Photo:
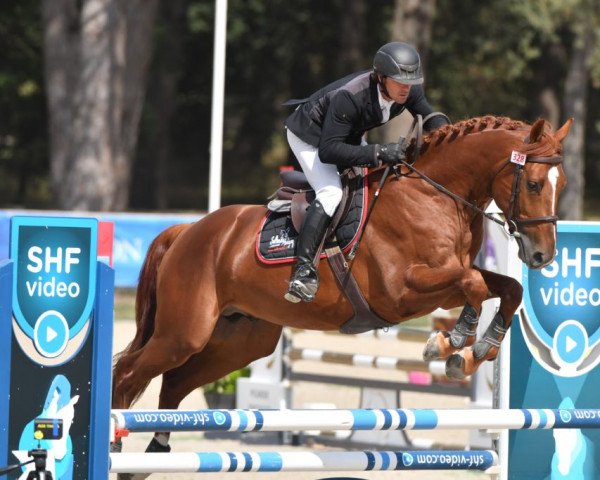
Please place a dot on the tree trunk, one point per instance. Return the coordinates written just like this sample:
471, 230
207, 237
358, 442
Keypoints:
413, 20
96, 61
353, 34
153, 165
549, 70
576, 83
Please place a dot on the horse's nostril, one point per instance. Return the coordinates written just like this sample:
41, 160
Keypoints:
538, 258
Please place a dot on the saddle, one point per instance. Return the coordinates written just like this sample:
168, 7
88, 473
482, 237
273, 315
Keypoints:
295, 195
287, 208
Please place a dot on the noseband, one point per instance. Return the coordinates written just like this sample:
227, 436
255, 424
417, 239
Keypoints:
513, 205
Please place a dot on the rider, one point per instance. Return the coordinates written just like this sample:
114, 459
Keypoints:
326, 132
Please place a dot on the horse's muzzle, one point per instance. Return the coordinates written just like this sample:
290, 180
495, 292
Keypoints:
535, 260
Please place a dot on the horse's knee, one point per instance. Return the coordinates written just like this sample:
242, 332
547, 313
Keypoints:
474, 287
513, 293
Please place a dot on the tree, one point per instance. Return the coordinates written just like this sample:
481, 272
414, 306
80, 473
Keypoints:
575, 105
154, 156
574, 27
96, 58
23, 139
413, 20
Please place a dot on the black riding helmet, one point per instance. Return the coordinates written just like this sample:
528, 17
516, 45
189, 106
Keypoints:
399, 61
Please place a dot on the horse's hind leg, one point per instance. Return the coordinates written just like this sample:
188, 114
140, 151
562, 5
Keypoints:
139, 368
466, 362
233, 345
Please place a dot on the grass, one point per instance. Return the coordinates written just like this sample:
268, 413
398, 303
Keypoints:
124, 304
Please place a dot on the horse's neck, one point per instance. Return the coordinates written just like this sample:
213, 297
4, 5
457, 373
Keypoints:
467, 166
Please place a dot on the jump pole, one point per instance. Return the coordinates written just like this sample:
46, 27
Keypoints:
301, 461
358, 419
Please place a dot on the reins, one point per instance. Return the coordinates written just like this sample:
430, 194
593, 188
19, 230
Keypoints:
511, 224
417, 124
453, 195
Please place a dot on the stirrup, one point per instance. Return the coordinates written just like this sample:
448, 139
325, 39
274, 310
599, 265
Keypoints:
303, 285
301, 291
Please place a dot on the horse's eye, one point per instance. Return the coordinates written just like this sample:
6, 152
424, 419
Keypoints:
533, 186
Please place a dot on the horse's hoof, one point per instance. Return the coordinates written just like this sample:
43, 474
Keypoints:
432, 348
455, 367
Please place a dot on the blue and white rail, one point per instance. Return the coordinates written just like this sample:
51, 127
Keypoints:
300, 461
358, 419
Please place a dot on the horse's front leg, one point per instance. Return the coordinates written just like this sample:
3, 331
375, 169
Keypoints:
510, 292
471, 286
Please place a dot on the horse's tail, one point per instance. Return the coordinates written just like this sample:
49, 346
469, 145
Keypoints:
145, 299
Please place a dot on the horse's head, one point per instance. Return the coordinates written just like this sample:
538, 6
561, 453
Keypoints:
528, 194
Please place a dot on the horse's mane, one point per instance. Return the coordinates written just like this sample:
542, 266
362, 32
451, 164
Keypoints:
448, 133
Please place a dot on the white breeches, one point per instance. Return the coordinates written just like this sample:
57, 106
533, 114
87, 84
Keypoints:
323, 177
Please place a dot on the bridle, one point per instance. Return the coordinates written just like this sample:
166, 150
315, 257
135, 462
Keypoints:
512, 219
512, 222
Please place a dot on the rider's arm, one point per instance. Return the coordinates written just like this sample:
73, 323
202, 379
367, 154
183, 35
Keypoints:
342, 117
417, 103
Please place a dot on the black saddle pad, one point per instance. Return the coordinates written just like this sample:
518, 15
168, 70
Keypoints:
276, 238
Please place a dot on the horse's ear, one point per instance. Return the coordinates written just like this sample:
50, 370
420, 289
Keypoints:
563, 131
537, 130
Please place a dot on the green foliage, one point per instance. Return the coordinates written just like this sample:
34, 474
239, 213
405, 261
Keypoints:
23, 126
227, 384
485, 57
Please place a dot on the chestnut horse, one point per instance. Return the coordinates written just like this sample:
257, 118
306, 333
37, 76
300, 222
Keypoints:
207, 306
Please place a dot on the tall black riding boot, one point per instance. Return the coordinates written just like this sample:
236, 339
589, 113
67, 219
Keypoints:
305, 277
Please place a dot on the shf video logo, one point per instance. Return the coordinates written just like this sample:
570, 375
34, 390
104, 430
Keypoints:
560, 323
55, 278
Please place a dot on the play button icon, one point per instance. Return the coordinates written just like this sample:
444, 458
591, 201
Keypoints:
570, 344
51, 334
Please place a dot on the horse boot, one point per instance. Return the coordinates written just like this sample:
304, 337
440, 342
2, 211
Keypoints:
305, 277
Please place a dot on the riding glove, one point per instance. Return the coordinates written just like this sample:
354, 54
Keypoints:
391, 153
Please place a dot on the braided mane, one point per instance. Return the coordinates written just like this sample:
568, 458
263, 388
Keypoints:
548, 145
449, 133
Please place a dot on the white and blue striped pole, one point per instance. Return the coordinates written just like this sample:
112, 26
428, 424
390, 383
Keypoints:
300, 461
358, 419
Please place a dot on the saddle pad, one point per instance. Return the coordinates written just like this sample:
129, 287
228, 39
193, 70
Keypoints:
276, 238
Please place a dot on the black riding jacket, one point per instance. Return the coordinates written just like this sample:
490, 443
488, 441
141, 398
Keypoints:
336, 117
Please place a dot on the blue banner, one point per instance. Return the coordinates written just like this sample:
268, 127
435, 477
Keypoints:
133, 235
554, 354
